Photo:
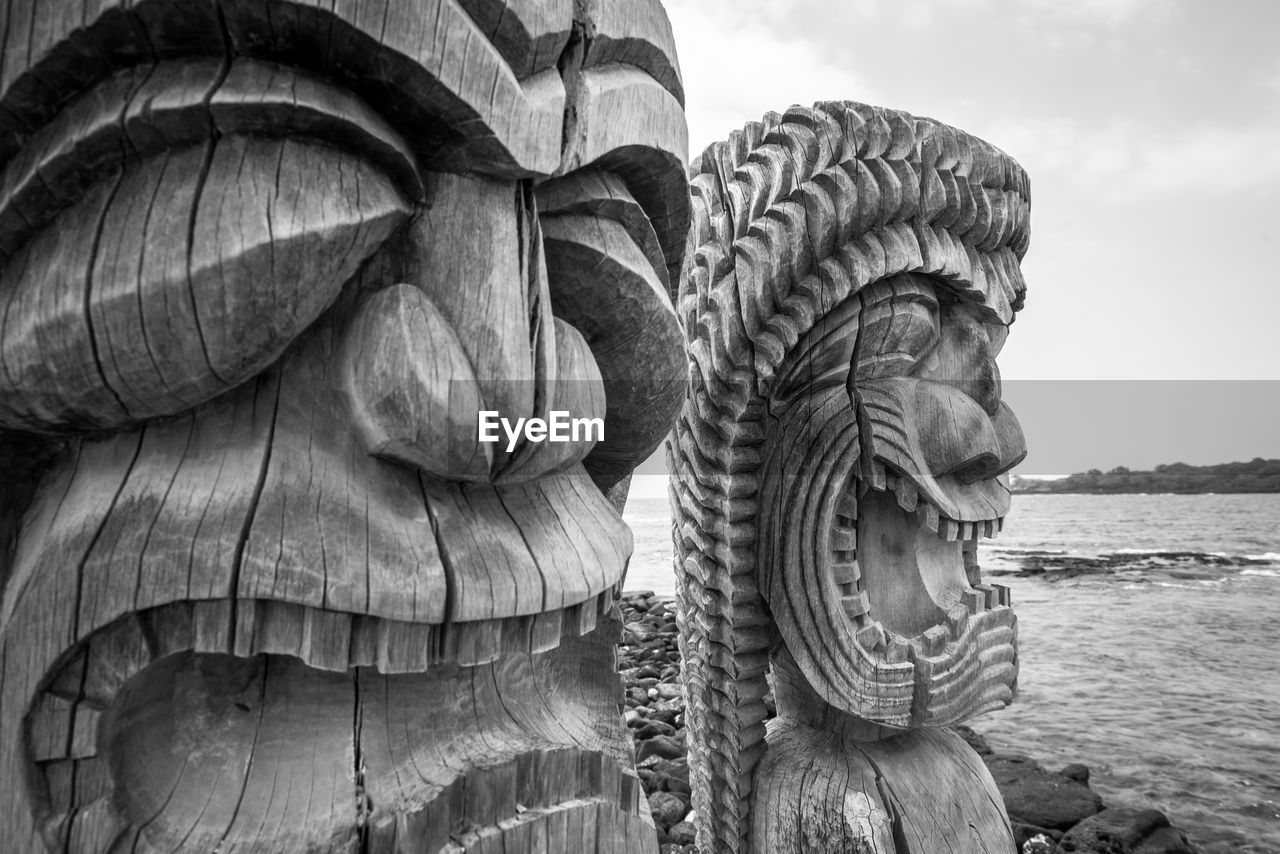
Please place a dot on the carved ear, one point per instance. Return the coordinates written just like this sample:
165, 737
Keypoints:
414, 397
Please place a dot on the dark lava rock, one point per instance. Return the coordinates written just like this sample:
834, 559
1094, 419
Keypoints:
1038, 797
682, 833
638, 634
672, 775
974, 740
667, 716
668, 809
652, 728
1120, 830
663, 746
1077, 772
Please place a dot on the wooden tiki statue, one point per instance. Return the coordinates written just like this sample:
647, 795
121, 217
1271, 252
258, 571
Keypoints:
263, 263
850, 277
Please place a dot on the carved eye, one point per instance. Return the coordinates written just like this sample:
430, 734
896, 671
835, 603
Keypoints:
146, 282
899, 326
965, 355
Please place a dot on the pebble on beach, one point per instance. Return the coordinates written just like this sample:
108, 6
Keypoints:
1051, 812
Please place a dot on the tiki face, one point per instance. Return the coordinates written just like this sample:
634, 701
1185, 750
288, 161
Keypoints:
905, 371
851, 275
265, 264
942, 489
887, 431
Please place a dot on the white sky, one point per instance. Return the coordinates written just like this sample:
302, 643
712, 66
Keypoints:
1151, 132
1150, 129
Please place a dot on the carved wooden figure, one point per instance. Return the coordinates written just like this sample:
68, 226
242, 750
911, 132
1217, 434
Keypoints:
262, 265
850, 277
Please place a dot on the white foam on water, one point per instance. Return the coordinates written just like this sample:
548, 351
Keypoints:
1265, 573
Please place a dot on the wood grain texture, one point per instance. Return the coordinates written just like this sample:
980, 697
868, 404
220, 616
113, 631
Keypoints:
607, 288
261, 266
167, 285
175, 104
470, 255
624, 122
265, 575
636, 32
198, 750
530, 34
852, 274
462, 86
412, 391
822, 790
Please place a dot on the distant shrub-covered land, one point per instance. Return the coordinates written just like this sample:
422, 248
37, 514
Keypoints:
1257, 475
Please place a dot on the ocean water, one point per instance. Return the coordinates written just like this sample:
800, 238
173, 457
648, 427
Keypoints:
1149, 647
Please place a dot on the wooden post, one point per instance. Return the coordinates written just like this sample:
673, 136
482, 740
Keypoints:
263, 264
852, 275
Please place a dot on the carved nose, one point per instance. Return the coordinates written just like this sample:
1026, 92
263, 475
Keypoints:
1010, 448
473, 332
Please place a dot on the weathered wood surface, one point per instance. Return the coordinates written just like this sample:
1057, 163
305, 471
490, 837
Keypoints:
262, 264
853, 274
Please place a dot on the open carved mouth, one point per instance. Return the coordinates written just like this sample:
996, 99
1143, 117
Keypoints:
912, 588
894, 445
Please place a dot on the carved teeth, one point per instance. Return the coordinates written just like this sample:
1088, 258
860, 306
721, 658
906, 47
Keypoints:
958, 620
949, 530
844, 539
847, 510
856, 604
907, 495
845, 572
974, 601
990, 595
871, 637
928, 515
934, 640
877, 478
896, 650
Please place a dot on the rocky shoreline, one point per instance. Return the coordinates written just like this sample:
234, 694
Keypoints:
1052, 812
